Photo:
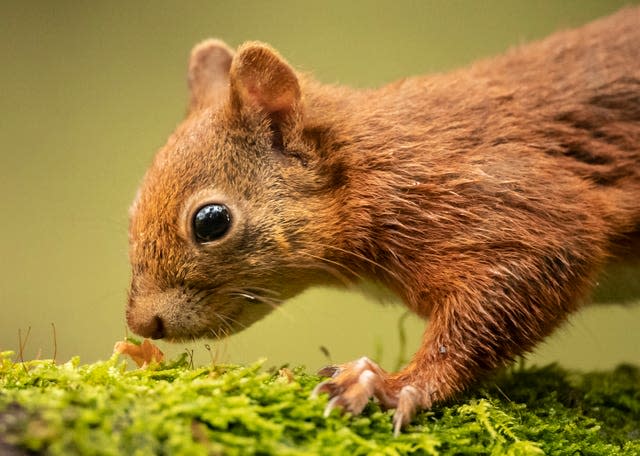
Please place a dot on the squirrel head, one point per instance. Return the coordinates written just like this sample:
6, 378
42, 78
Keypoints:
225, 223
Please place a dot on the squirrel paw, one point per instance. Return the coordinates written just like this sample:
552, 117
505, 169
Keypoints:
353, 384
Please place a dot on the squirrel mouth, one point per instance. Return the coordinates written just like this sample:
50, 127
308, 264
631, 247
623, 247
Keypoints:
178, 316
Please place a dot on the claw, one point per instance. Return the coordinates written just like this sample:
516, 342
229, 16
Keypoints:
397, 425
407, 404
328, 386
357, 397
333, 403
410, 399
319, 388
329, 371
352, 385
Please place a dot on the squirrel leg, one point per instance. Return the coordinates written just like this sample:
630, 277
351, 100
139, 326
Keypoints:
414, 388
467, 336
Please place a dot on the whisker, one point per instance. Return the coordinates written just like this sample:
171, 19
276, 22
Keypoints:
355, 255
333, 271
276, 305
206, 294
200, 293
221, 328
229, 321
243, 295
248, 293
263, 290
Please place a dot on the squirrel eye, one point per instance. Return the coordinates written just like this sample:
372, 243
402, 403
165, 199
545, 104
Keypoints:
211, 222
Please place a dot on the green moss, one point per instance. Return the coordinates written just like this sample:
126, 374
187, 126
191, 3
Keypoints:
103, 408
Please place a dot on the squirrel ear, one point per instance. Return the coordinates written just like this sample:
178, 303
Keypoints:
261, 78
209, 66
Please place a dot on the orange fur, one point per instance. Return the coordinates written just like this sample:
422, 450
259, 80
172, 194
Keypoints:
488, 199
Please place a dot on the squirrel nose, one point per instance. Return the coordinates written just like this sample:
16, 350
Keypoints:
155, 328
152, 328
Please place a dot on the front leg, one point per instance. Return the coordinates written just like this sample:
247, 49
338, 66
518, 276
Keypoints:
468, 335
437, 371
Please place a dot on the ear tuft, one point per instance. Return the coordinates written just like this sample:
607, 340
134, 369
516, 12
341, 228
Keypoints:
261, 78
209, 67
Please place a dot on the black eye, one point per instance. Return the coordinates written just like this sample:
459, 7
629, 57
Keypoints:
211, 222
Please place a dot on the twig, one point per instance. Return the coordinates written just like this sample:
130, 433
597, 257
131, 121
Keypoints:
208, 348
402, 336
190, 354
55, 342
22, 344
326, 353
503, 393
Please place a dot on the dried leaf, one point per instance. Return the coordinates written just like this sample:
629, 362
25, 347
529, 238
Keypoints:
143, 354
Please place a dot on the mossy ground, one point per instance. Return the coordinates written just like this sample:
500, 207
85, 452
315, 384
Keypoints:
106, 408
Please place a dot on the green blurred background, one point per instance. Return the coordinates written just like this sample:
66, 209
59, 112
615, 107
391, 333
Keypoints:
90, 90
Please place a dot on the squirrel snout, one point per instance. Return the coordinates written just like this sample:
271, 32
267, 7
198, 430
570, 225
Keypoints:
146, 325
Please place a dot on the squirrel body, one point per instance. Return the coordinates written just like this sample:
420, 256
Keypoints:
488, 199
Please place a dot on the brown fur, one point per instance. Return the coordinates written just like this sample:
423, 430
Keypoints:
488, 199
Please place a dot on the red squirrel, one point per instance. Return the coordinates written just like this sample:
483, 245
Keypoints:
488, 199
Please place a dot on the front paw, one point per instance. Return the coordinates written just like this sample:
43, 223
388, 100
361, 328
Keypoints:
353, 384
